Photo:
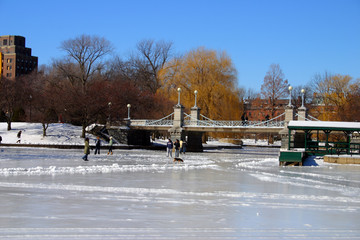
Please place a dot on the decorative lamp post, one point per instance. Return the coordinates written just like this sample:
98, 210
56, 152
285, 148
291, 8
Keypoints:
109, 104
30, 100
290, 89
128, 106
302, 97
179, 91
195, 92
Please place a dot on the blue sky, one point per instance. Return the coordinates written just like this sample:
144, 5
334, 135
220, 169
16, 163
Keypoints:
304, 37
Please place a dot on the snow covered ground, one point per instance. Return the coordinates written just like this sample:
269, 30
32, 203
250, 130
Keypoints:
57, 133
142, 194
66, 134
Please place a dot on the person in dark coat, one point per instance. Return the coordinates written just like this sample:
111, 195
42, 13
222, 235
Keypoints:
97, 146
0, 139
86, 150
177, 148
169, 148
19, 137
184, 147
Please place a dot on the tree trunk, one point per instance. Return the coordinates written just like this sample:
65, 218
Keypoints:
83, 130
8, 125
45, 126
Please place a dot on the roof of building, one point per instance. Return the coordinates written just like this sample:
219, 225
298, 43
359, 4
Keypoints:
324, 125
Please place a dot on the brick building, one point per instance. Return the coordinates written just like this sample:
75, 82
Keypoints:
15, 58
260, 109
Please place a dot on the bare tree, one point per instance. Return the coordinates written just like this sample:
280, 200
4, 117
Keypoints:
44, 101
82, 64
275, 87
151, 58
9, 99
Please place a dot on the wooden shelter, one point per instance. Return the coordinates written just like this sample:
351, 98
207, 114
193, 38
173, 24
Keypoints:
320, 138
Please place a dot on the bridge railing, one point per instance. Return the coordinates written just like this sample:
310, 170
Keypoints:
207, 122
276, 122
165, 121
309, 118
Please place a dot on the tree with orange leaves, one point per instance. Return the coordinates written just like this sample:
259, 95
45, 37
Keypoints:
209, 72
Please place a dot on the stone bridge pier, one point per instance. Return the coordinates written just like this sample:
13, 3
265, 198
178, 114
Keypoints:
193, 139
299, 137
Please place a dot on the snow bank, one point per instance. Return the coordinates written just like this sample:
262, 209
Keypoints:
57, 133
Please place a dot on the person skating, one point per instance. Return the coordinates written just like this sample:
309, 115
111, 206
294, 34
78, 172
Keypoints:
110, 146
169, 148
97, 146
86, 150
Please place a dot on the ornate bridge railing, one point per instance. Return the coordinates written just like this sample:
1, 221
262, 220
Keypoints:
165, 121
207, 122
276, 122
309, 118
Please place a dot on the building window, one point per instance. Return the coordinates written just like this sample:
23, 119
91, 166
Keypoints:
5, 42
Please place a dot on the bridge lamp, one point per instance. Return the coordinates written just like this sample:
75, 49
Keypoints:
290, 89
179, 91
109, 104
195, 92
128, 106
302, 97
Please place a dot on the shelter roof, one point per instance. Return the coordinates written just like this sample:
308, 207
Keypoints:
324, 125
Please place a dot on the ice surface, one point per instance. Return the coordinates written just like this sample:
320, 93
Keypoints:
141, 194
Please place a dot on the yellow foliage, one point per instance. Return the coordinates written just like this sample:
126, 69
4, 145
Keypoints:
212, 75
334, 91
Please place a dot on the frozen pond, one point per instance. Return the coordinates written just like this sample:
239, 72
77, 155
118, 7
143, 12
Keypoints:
140, 194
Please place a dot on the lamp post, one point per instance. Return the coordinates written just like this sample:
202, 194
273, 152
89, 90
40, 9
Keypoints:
195, 92
128, 106
302, 97
109, 104
179, 91
30, 100
290, 89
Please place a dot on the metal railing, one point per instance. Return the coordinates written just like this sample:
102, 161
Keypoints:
207, 122
165, 121
309, 118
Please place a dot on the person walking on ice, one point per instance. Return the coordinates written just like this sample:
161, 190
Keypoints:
169, 148
110, 146
177, 148
97, 146
86, 150
181, 146
184, 147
